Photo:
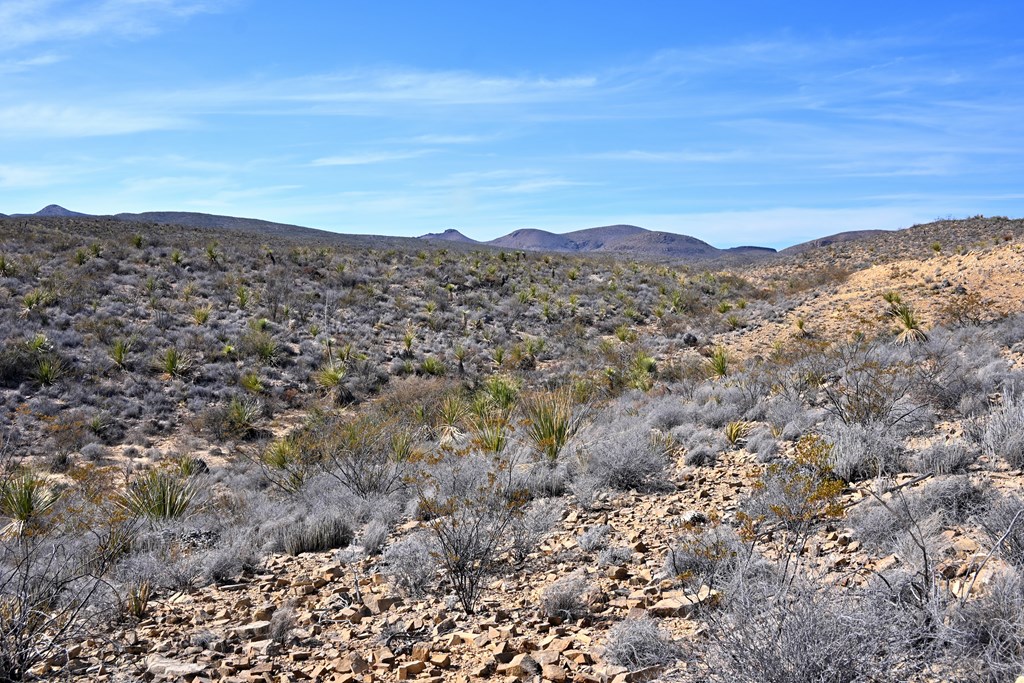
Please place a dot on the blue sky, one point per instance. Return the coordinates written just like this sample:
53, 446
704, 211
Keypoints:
739, 123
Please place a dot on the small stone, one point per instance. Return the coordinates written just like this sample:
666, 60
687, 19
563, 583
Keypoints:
171, 669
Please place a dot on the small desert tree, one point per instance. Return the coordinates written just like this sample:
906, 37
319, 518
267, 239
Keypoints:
471, 501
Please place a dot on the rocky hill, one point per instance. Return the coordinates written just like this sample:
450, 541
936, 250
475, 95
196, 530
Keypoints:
449, 235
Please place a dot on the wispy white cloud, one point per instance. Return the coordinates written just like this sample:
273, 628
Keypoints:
450, 139
14, 66
363, 158
27, 22
68, 121
684, 157
20, 176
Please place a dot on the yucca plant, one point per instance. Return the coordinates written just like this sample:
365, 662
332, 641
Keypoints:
7, 268
432, 366
718, 363
910, 331
137, 601
173, 363
642, 371
159, 495
502, 391
736, 432
329, 376
242, 415
450, 415
551, 420
490, 432
190, 466
286, 465
25, 500
48, 370
119, 351
250, 381
201, 314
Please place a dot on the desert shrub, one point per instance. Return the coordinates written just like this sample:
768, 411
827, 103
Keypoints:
615, 556
411, 563
53, 593
882, 523
366, 454
789, 417
374, 536
1004, 432
1003, 523
801, 636
640, 644
958, 370
875, 385
702, 445
625, 456
543, 480
318, 533
763, 444
953, 457
709, 556
594, 538
282, 623
990, 629
666, 414
530, 528
471, 500
862, 451
794, 494
226, 563
564, 599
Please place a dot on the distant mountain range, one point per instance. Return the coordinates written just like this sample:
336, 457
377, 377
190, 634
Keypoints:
610, 239
615, 239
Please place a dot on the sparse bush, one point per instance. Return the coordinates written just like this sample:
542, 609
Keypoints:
564, 599
639, 644
863, 451
952, 457
616, 556
411, 563
803, 636
317, 534
594, 538
991, 629
1004, 525
282, 623
1004, 432
625, 457
530, 528
374, 536
706, 556
471, 501
794, 494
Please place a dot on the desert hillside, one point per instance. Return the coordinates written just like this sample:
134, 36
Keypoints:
238, 456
